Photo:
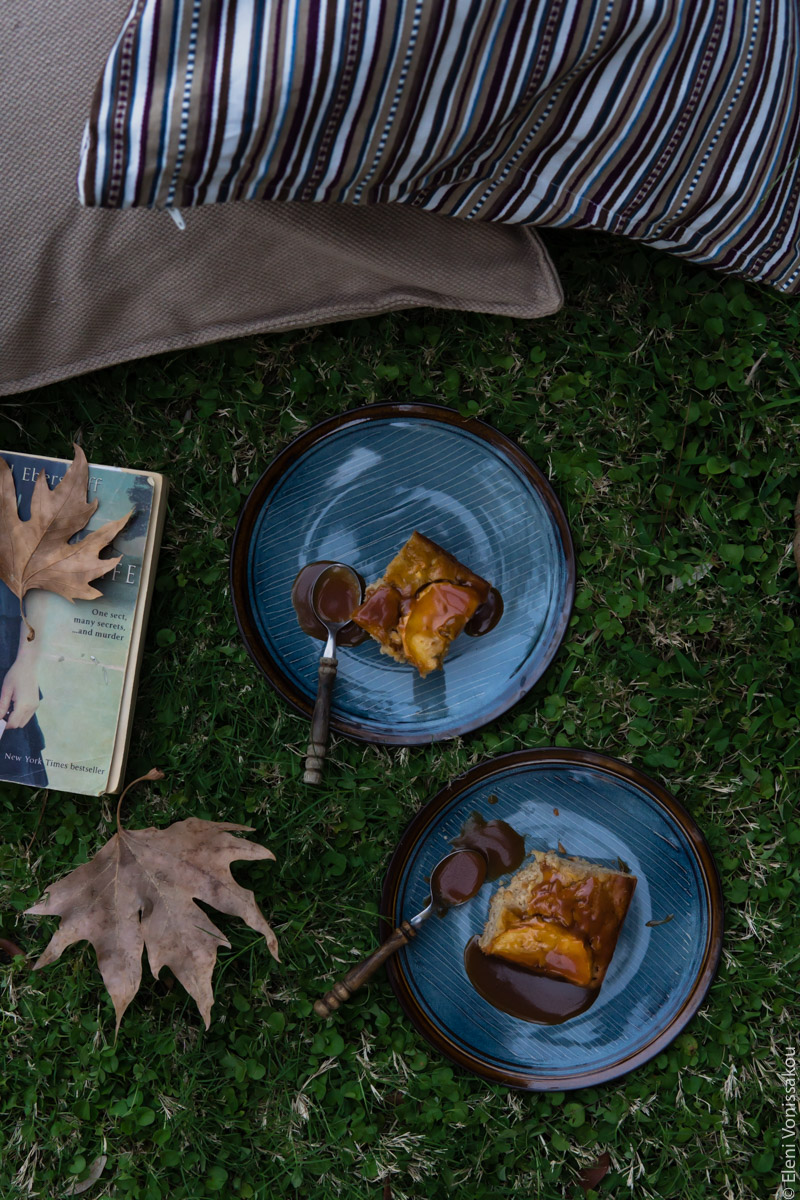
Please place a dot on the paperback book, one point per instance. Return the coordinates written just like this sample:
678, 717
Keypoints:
73, 685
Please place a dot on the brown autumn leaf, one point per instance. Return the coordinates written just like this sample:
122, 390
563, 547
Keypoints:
10, 949
589, 1177
92, 1175
139, 890
37, 553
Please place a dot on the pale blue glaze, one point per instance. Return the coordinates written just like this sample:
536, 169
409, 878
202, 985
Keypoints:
356, 495
654, 969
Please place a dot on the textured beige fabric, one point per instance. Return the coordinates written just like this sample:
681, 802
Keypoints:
82, 289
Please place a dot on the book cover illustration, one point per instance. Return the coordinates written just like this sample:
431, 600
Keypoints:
60, 694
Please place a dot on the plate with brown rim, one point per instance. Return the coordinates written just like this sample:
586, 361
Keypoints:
353, 489
668, 950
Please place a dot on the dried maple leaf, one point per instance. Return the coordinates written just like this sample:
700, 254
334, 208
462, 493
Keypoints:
37, 553
139, 890
590, 1176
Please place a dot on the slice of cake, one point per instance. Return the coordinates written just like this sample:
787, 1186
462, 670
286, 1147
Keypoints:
559, 917
421, 604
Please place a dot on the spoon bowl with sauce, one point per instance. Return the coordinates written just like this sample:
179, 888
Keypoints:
337, 591
454, 880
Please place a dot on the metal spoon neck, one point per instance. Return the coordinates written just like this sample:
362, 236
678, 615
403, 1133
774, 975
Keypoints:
416, 921
330, 645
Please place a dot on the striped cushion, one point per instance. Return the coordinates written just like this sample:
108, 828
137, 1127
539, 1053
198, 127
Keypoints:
674, 122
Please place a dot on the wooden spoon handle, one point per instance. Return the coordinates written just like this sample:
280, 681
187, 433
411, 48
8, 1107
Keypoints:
320, 721
363, 971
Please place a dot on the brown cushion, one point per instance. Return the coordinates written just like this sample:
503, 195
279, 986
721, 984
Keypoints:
83, 289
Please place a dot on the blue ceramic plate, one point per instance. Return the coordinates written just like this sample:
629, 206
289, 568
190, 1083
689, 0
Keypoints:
599, 809
354, 488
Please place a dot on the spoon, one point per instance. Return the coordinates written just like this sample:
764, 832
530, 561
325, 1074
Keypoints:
337, 591
454, 880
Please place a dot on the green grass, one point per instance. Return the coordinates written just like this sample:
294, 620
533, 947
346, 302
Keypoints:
664, 403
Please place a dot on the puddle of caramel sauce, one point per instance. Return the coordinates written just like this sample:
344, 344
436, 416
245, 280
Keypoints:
348, 635
486, 615
503, 846
523, 993
457, 878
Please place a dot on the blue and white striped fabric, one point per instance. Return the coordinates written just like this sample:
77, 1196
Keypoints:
675, 122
